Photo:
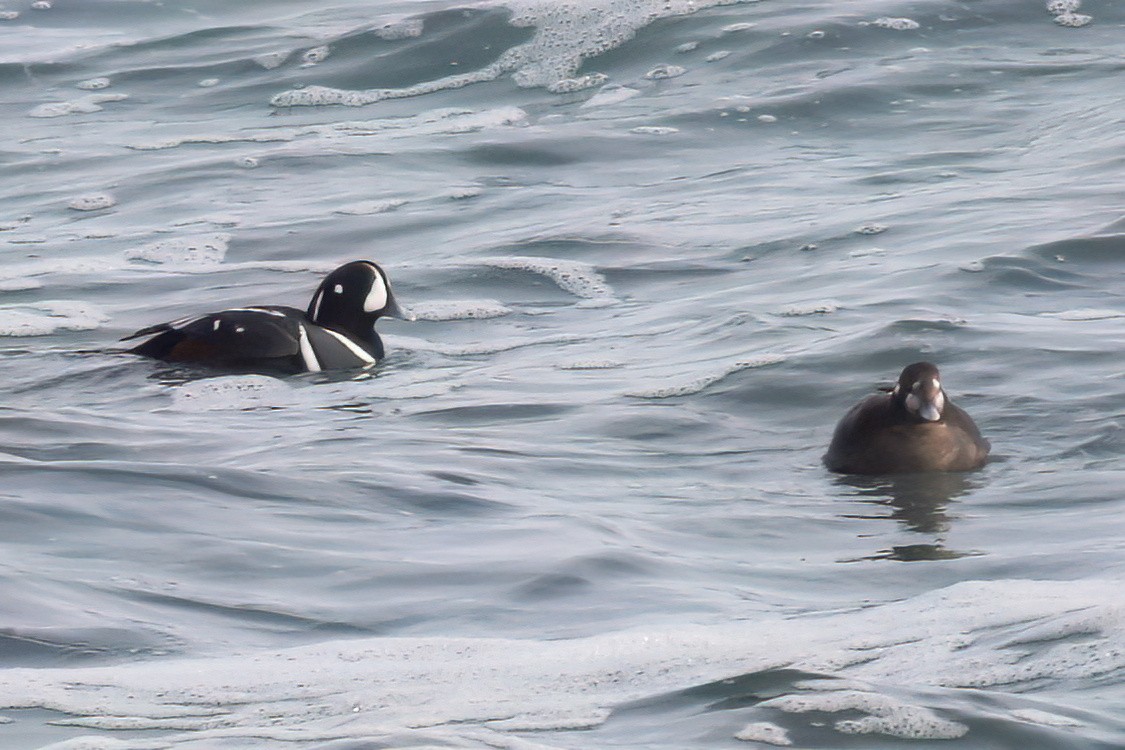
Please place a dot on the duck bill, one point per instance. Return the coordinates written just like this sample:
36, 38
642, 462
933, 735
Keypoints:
929, 411
394, 310
927, 406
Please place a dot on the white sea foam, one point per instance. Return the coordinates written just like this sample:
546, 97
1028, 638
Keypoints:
472, 691
271, 60
364, 208
896, 24
699, 383
93, 84
661, 72
233, 392
654, 130
92, 202
592, 364
409, 28
84, 105
580, 279
561, 41
885, 715
459, 310
206, 250
764, 732
1085, 314
1044, 718
316, 55
1073, 20
570, 85
810, 308
48, 316
610, 95
871, 228
433, 122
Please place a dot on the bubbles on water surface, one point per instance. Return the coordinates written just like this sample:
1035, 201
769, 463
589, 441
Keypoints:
93, 84
459, 310
764, 732
885, 715
85, 105
234, 392
1058, 7
407, 29
661, 72
315, 55
92, 202
203, 250
365, 208
570, 85
562, 40
271, 60
579, 279
871, 228
1072, 20
48, 316
896, 24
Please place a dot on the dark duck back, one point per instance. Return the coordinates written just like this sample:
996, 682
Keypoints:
914, 428
336, 332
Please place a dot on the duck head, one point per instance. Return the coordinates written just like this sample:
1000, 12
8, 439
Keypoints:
919, 391
353, 297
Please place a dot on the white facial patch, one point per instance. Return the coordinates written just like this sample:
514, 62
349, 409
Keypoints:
927, 410
339, 289
377, 297
216, 324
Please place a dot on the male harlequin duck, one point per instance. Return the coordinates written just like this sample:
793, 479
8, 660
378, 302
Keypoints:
913, 428
337, 331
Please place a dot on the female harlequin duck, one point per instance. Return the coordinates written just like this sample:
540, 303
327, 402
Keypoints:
337, 331
913, 428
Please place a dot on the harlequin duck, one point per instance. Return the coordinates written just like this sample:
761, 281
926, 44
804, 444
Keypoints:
336, 332
913, 428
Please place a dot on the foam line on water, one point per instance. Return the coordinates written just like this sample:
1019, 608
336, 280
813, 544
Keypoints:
1008, 633
561, 41
579, 279
49, 316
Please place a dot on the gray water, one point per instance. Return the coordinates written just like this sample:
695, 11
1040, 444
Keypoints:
655, 250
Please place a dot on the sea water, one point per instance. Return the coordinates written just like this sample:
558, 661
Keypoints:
654, 250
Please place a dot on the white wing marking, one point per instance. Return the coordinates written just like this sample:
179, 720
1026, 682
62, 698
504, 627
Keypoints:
307, 353
351, 345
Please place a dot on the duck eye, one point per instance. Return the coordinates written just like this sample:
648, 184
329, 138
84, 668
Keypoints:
339, 289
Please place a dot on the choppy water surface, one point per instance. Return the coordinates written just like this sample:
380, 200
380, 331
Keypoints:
655, 251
